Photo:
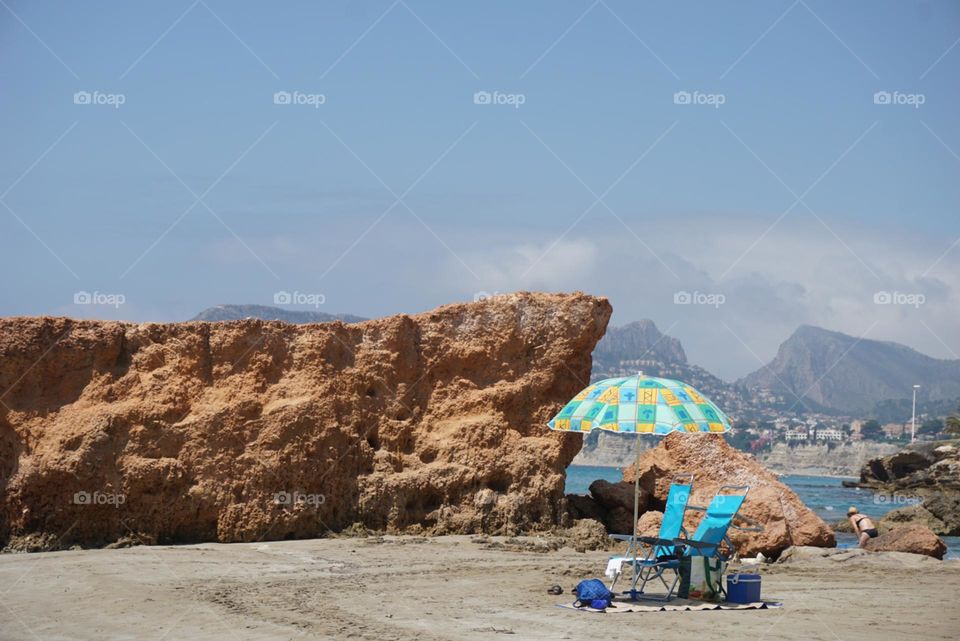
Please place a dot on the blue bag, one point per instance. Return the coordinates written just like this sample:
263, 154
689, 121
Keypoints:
593, 593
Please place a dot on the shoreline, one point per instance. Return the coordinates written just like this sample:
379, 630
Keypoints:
778, 472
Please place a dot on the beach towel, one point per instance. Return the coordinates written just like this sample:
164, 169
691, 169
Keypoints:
676, 605
613, 567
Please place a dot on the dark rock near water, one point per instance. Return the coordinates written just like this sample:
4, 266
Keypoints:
897, 466
616, 501
584, 507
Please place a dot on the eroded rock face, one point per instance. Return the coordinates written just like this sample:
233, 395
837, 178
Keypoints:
649, 523
786, 520
915, 539
249, 430
911, 515
825, 558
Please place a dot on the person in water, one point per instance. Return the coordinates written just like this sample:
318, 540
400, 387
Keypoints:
863, 527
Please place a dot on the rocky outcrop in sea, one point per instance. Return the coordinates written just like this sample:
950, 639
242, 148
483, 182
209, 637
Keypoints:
925, 479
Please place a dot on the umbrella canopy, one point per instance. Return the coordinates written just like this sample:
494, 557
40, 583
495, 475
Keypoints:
642, 405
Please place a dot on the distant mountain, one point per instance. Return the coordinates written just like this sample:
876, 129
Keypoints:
850, 375
641, 347
638, 340
263, 312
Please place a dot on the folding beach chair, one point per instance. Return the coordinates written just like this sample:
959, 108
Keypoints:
710, 534
644, 550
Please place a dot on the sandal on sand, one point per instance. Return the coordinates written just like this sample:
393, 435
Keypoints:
555, 589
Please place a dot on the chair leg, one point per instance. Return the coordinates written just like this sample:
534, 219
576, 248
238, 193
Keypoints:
646, 575
673, 586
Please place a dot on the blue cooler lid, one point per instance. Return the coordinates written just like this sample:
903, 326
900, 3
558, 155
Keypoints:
743, 578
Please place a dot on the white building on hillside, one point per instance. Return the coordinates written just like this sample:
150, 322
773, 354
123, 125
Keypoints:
829, 435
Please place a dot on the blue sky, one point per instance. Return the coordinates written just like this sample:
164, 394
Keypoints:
796, 200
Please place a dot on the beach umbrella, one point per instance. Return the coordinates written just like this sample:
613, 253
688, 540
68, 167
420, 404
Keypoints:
640, 405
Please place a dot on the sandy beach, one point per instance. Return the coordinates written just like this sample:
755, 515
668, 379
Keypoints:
452, 587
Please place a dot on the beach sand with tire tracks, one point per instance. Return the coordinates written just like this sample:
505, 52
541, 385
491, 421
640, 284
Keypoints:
453, 587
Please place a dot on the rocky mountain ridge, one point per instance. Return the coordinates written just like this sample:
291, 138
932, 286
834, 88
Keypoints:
838, 372
265, 312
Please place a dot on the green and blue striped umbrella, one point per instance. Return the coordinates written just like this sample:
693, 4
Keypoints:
640, 405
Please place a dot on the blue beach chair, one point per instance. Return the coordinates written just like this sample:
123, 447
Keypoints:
710, 534
644, 551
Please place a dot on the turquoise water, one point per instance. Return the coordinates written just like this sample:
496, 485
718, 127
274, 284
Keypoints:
579, 477
824, 495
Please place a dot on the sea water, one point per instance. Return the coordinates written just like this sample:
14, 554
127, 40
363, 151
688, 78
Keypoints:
825, 495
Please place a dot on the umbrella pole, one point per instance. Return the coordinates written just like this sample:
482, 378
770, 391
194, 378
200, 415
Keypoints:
636, 495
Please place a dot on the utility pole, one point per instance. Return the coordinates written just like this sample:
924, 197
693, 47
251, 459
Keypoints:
913, 416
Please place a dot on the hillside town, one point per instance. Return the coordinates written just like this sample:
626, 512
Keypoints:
759, 436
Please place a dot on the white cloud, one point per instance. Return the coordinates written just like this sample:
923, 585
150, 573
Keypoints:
548, 266
799, 272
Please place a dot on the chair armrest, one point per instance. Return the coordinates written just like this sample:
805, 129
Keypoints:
697, 545
621, 537
656, 541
